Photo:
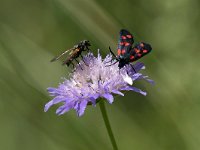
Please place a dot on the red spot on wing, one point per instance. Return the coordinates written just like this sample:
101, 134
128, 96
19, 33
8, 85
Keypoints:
127, 44
132, 57
144, 51
139, 55
118, 51
136, 50
121, 43
141, 44
123, 37
123, 51
129, 36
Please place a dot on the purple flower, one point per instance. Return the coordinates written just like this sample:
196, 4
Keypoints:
91, 80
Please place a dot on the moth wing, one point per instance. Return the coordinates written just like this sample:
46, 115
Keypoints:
125, 42
139, 50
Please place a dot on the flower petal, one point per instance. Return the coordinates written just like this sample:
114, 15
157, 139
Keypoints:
52, 102
130, 88
136, 76
127, 79
92, 79
82, 106
95, 96
117, 92
93, 101
109, 97
147, 79
65, 108
139, 66
150, 81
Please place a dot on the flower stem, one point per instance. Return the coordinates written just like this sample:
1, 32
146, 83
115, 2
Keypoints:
107, 123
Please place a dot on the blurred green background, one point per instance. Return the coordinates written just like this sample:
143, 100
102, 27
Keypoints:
33, 31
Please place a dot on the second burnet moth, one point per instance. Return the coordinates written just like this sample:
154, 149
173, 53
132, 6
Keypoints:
127, 52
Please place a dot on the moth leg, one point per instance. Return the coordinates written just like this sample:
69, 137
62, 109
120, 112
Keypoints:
111, 64
109, 61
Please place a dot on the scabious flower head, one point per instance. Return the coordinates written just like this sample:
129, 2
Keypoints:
93, 79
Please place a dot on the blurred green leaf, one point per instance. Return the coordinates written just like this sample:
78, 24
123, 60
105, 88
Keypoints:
33, 32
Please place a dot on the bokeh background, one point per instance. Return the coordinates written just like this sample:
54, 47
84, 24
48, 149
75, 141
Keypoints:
33, 31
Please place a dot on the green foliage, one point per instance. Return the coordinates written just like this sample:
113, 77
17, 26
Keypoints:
32, 32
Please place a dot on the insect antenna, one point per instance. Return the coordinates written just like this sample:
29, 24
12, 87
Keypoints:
113, 55
112, 52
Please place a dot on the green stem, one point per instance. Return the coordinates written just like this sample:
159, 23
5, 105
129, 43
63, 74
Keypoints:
107, 123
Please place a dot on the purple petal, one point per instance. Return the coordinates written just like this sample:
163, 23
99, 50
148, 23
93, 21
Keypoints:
93, 100
82, 106
65, 108
136, 76
100, 85
130, 88
51, 89
117, 92
109, 97
106, 85
150, 81
48, 105
138, 66
76, 105
52, 102
95, 96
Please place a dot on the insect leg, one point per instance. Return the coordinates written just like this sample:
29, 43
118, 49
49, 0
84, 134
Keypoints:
72, 65
111, 64
110, 61
87, 48
78, 63
83, 60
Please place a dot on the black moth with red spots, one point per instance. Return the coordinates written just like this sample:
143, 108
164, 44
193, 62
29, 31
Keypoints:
126, 52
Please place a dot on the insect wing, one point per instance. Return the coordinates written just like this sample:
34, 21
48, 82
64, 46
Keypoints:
62, 54
72, 55
125, 42
139, 50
